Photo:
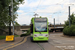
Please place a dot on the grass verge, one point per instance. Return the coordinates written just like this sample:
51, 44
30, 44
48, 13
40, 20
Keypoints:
3, 36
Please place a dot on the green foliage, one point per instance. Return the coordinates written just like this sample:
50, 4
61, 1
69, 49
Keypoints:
2, 37
16, 36
51, 31
40, 17
72, 20
65, 30
4, 11
26, 34
16, 24
66, 23
73, 31
70, 30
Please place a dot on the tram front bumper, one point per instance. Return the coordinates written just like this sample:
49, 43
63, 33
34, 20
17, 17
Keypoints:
40, 38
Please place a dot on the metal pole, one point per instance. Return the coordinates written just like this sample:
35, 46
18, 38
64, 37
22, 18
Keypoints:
54, 23
9, 20
58, 19
12, 17
69, 17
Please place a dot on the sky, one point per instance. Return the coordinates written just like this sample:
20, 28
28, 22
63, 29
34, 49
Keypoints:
51, 9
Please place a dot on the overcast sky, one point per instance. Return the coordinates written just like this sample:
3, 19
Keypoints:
51, 9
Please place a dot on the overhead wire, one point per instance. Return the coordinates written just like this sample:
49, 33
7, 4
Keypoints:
43, 12
60, 2
37, 6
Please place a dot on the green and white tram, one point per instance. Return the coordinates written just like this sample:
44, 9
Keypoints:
39, 29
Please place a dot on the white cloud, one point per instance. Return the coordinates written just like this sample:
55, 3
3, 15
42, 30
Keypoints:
62, 18
34, 4
53, 9
72, 9
49, 2
23, 19
53, 6
72, 1
25, 4
20, 11
58, 19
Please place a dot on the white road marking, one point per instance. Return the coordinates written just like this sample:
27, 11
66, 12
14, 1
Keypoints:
57, 41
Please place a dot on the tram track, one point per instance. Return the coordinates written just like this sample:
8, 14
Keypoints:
42, 48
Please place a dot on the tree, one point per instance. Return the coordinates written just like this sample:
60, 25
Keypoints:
72, 20
16, 24
70, 30
4, 11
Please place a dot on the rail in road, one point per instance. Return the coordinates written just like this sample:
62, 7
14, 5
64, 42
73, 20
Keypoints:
41, 45
56, 42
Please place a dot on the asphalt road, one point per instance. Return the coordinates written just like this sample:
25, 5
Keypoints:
56, 42
28, 45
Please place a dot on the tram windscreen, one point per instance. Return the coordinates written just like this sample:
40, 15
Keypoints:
40, 25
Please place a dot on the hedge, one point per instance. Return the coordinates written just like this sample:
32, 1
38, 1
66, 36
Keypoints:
26, 34
69, 30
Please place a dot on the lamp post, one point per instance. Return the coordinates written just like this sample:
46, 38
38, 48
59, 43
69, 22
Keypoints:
54, 23
12, 16
9, 20
69, 17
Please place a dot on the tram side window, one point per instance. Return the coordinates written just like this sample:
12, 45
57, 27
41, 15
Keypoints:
31, 28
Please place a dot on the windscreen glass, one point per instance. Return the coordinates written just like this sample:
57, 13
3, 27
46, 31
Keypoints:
40, 25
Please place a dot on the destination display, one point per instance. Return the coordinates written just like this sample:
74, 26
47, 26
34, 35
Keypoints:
40, 19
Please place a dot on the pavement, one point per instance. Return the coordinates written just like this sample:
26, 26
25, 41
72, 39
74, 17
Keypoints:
4, 44
62, 42
28, 45
57, 41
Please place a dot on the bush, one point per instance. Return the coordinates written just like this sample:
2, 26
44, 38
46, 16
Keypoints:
23, 35
28, 33
50, 31
69, 30
65, 30
73, 31
2, 37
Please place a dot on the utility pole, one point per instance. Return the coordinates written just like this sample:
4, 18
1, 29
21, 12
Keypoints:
9, 20
69, 17
54, 23
12, 17
10, 37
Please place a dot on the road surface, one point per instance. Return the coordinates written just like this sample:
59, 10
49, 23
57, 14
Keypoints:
56, 42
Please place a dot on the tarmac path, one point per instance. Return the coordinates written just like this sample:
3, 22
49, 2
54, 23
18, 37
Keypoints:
56, 42
28, 45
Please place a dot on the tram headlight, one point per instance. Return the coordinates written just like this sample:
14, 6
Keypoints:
35, 35
46, 35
